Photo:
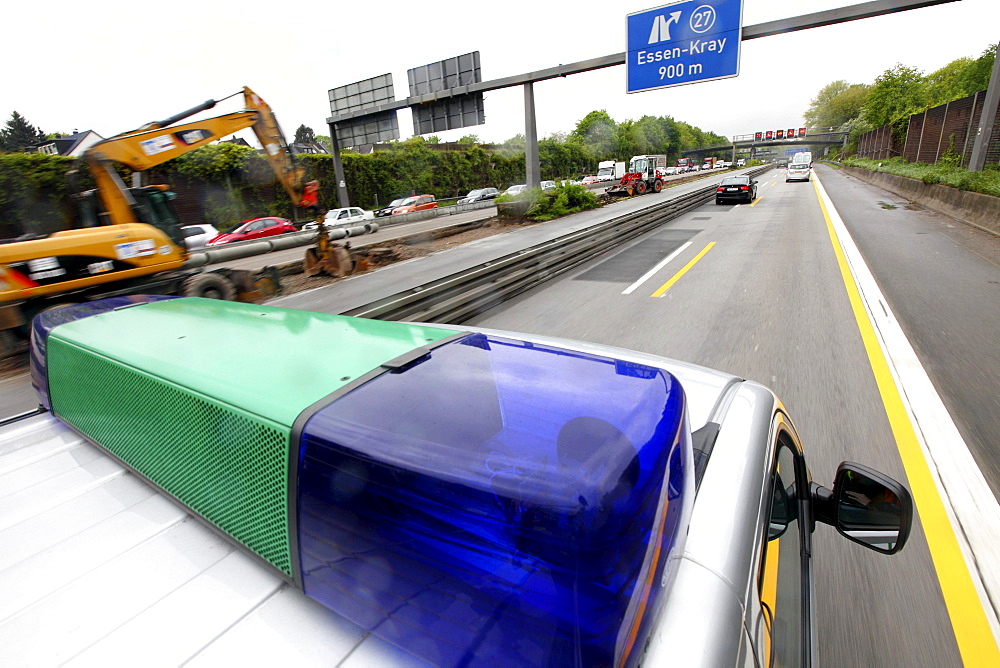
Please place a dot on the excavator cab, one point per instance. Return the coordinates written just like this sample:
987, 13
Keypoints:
152, 205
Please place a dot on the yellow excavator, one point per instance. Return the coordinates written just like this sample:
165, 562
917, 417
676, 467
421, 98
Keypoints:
129, 240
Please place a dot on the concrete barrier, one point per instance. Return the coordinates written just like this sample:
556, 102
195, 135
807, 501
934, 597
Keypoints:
975, 209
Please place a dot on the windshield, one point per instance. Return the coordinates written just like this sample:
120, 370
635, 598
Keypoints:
408, 201
735, 181
475, 193
637, 165
799, 166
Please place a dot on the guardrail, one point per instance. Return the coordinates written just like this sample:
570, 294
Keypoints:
464, 294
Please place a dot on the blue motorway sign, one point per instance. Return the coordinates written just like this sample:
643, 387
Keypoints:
684, 42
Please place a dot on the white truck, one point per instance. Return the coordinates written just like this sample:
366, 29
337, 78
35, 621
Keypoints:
609, 170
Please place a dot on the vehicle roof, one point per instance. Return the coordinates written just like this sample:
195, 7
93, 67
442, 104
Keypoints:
98, 564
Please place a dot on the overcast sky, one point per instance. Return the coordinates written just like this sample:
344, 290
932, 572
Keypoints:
112, 66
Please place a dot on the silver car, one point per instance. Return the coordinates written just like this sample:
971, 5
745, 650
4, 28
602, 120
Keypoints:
797, 171
526, 501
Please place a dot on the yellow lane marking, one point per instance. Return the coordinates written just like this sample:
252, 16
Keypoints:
769, 592
968, 619
754, 203
676, 277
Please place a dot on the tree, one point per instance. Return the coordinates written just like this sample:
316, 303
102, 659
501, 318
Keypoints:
469, 140
835, 104
977, 76
896, 93
19, 134
847, 106
597, 132
305, 135
960, 78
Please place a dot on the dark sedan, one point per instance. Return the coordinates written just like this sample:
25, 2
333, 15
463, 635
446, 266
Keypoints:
736, 189
386, 211
479, 195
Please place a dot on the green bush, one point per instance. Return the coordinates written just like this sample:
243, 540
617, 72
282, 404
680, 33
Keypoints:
564, 200
986, 182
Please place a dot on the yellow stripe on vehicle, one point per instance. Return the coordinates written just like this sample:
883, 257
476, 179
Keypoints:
970, 625
676, 277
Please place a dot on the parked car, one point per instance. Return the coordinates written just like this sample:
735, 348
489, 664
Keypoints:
197, 236
589, 180
257, 228
387, 210
736, 188
741, 162
670, 171
415, 203
516, 190
797, 171
347, 216
547, 185
479, 195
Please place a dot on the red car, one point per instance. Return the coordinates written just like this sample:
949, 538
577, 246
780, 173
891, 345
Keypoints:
416, 203
256, 228
589, 180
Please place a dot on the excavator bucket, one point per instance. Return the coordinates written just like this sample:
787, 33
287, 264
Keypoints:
335, 261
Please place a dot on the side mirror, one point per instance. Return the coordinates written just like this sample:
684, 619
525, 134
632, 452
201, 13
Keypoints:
866, 507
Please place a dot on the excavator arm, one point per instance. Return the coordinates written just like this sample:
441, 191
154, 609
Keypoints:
158, 142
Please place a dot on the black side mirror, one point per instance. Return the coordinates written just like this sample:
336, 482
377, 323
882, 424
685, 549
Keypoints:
866, 507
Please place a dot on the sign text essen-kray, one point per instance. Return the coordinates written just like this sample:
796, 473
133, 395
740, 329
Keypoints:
683, 42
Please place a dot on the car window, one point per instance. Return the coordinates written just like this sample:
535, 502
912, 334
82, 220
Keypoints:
735, 181
408, 201
784, 562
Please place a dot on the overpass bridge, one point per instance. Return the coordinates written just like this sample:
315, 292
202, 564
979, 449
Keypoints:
741, 143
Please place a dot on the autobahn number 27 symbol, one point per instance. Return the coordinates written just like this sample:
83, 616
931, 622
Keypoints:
702, 18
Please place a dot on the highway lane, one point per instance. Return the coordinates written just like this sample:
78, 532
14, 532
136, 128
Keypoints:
948, 301
767, 302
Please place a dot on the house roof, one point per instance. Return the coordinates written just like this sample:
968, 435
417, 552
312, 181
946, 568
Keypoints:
240, 141
65, 145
